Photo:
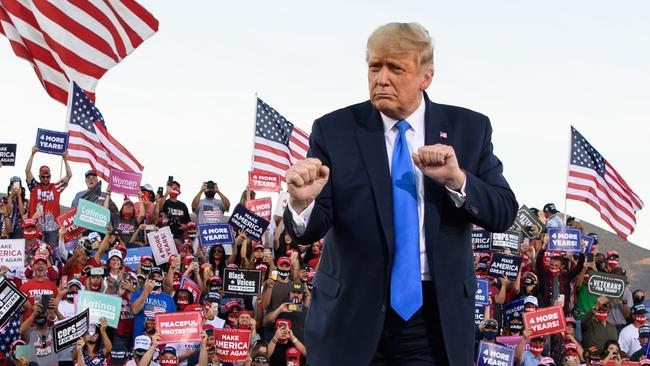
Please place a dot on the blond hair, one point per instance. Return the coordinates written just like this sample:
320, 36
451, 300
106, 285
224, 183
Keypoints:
402, 37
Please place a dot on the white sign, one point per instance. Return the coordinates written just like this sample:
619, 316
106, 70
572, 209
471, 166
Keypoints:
283, 200
12, 253
162, 244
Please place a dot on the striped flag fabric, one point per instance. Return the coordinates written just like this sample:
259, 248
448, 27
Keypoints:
74, 39
89, 140
278, 143
593, 180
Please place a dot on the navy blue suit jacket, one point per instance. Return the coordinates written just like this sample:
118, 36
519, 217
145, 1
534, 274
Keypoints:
355, 210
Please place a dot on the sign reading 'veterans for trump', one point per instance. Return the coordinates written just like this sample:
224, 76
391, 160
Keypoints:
127, 183
606, 284
179, 327
545, 321
232, 344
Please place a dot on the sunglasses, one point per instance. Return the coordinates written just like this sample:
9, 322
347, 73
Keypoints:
45, 176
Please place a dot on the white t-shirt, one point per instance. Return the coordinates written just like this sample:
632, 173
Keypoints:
629, 339
67, 310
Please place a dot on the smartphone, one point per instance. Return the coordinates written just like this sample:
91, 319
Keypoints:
560, 300
160, 191
295, 307
150, 227
274, 275
267, 252
64, 281
15, 185
45, 301
210, 185
170, 179
39, 208
590, 257
195, 260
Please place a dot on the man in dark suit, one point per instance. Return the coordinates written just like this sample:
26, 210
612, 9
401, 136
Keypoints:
395, 183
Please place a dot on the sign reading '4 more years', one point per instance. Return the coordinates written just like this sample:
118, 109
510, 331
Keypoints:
545, 321
162, 244
66, 221
266, 182
492, 354
564, 239
51, 142
213, 234
605, 284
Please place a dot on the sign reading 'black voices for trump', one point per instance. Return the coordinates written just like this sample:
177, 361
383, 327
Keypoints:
253, 225
508, 240
503, 264
11, 299
606, 284
242, 281
68, 331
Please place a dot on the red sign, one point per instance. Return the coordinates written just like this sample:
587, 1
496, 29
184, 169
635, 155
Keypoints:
66, 221
260, 207
232, 344
267, 182
192, 287
182, 327
545, 321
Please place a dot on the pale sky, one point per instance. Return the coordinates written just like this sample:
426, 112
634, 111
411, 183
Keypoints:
183, 102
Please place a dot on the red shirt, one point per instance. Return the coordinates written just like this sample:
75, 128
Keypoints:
47, 195
34, 289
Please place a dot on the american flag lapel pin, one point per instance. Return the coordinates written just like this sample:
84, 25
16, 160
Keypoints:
443, 134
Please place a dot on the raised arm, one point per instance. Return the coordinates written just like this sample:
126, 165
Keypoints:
68, 171
28, 167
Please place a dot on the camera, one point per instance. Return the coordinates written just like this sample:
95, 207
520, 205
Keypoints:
210, 184
295, 307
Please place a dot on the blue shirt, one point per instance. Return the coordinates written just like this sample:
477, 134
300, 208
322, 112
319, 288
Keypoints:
154, 303
530, 360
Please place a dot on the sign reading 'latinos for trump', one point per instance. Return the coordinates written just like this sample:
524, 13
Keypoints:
100, 306
92, 216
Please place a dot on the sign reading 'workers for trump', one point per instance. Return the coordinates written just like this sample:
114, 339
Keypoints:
253, 225
66, 221
51, 142
8, 154
545, 321
92, 216
564, 239
213, 234
133, 256
506, 241
232, 344
162, 244
605, 284
68, 331
504, 265
492, 354
126, 183
179, 327
242, 281
264, 182
481, 240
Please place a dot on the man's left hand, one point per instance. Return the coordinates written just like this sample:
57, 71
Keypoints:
439, 163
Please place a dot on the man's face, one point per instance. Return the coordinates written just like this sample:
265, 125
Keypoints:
395, 82
284, 267
45, 178
91, 181
297, 296
40, 267
555, 265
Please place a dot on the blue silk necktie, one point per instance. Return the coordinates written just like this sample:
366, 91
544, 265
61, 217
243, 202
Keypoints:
405, 280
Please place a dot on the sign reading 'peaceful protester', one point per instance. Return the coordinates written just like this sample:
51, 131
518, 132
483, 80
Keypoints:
92, 216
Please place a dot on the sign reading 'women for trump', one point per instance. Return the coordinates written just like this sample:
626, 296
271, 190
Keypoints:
126, 183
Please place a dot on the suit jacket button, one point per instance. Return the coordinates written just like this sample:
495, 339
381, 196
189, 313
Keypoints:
474, 210
383, 308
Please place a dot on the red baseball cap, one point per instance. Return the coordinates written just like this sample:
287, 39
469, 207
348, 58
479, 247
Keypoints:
258, 246
29, 222
284, 260
612, 253
292, 352
39, 257
145, 258
44, 170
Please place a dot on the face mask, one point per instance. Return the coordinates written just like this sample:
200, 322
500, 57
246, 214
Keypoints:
209, 194
284, 274
291, 363
163, 222
489, 335
569, 359
214, 287
146, 269
31, 234
612, 263
640, 319
169, 361
516, 327
70, 296
182, 303
536, 350
528, 309
294, 300
157, 285
555, 271
244, 326
600, 315
599, 266
127, 215
638, 300
40, 320
174, 193
93, 339
150, 331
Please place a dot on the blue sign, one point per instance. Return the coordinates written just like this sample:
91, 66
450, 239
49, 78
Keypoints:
133, 256
479, 314
51, 142
481, 240
515, 306
213, 234
8, 154
588, 241
482, 296
253, 225
563, 239
492, 354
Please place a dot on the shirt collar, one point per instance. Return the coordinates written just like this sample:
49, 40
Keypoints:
416, 119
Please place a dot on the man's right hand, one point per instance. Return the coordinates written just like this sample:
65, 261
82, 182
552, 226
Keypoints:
305, 181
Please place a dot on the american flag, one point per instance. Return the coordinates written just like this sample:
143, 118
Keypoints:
593, 180
89, 140
278, 143
74, 39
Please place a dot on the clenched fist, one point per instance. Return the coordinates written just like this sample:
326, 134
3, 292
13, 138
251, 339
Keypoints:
305, 180
439, 163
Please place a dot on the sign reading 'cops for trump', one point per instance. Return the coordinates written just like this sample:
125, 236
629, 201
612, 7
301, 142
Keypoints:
605, 284
508, 240
253, 225
492, 354
564, 239
68, 331
504, 265
51, 142
213, 234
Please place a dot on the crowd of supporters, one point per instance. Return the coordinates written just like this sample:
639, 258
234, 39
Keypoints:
599, 330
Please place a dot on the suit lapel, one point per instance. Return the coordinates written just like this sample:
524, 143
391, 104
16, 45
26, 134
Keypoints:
372, 144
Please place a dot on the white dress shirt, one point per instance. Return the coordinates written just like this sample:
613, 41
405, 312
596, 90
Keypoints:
415, 140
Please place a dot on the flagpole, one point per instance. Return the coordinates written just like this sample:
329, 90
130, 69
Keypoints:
65, 125
566, 185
